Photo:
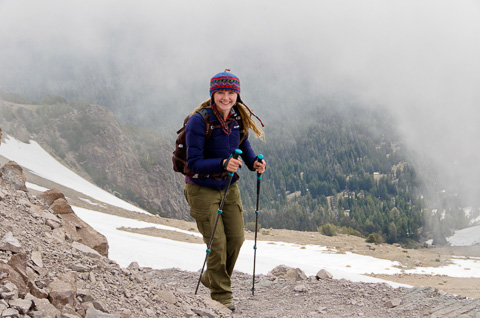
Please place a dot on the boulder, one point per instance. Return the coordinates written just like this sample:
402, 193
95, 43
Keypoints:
8, 290
166, 296
85, 295
10, 312
12, 278
392, 303
90, 252
300, 288
48, 216
19, 263
3, 305
49, 196
289, 273
73, 227
61, 206
44, 307
36, 258
63, 290
13, 173
10, 243
37, 291
22, 305
323, 274
134, 265
83, 233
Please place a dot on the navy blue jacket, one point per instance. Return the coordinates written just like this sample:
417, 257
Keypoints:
206, 157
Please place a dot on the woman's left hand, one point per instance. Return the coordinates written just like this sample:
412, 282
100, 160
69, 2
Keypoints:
259, 167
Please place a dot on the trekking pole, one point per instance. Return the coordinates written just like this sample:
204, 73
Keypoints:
259, 177
235, 155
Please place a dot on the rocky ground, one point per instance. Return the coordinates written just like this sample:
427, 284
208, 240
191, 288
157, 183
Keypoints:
46, 271
408, 258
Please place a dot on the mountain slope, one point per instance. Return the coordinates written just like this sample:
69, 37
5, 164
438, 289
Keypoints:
132, 164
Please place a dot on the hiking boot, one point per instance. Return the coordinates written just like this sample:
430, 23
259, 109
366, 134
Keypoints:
227, 303
204, 280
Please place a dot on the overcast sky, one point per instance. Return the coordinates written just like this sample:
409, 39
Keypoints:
418, 59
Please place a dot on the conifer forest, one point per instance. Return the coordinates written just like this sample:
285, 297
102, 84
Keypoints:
336, 168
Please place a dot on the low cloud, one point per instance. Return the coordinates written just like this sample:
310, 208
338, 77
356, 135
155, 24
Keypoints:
418, 60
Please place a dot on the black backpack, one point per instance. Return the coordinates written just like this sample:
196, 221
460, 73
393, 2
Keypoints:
179, 157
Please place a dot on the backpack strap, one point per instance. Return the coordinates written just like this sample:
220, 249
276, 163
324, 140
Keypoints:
238, 118
209, 126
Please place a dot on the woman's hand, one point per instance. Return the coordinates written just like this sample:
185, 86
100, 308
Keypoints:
232, 164
259, 166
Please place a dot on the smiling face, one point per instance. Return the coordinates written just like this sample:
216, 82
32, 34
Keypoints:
224, 100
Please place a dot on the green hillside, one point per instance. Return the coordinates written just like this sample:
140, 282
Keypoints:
339, 165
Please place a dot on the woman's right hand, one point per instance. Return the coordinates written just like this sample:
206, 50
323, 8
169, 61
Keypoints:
232, 164
259, 166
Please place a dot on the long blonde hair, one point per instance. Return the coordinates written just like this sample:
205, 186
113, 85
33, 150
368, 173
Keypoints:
247, 120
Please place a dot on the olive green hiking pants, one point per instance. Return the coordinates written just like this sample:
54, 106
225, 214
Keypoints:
229, 236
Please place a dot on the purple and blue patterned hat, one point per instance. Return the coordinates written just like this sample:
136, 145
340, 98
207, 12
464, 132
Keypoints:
224, 81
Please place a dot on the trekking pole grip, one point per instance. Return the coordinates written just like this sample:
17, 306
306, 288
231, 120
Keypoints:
235, 155
259, 159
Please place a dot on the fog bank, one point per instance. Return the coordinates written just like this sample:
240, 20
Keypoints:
151, 61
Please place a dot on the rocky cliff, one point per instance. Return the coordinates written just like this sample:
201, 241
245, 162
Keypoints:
131, 163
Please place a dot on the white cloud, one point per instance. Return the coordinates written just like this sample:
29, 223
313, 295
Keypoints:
418, 59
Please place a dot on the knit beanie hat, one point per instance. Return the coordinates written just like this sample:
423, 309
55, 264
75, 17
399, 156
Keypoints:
224, 81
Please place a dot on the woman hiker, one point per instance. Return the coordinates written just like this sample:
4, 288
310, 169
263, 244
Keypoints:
211, 161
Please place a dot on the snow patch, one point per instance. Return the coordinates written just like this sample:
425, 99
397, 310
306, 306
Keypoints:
466, 237
35, 187
33, 157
